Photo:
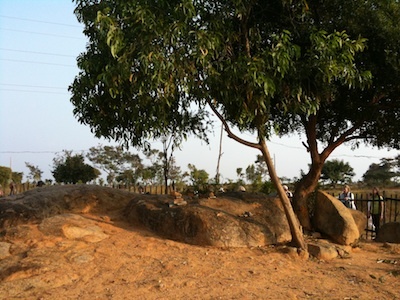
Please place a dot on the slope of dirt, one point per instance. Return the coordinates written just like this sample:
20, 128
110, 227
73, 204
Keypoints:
113, 259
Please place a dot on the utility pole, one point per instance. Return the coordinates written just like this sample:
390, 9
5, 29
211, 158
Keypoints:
219, 155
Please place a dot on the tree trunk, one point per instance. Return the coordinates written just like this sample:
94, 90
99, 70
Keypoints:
303, 189
295, 228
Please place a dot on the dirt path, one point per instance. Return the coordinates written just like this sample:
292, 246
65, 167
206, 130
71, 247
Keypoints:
133, 263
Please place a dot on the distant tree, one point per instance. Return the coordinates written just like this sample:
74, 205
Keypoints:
114, 160
5, 175
382, 173
240, 175
128, 177
35, 174
261, 167
17, 177
73, 169
175, 174
199, 178
337, 171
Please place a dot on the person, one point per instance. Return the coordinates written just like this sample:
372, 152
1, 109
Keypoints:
347, 197
12, 188
376, 209
288, 193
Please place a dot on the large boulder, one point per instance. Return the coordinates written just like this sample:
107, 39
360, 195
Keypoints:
360, 219
335, 220
235, 220
389, 232
35, 205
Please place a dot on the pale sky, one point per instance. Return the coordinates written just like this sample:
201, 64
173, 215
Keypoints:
39, 43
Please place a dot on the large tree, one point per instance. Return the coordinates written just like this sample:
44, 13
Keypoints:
153, 67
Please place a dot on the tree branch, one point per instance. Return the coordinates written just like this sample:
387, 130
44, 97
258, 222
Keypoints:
228, 130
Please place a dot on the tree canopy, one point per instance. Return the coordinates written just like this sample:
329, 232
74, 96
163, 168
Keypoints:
381, 173
73, 169
337, 171
328, 70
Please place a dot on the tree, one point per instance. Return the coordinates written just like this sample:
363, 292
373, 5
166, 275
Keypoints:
382, 173
5, 175
114, 160
165, 157
198, 177
337, 171
240, 175
35, 174
72, 169
260, 66
17, 177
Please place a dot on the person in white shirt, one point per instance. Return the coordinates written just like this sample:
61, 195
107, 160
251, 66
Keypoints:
347, 198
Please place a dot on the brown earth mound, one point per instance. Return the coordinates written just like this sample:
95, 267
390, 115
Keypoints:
87, 249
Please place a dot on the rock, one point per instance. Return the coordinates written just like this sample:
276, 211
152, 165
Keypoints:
332, 218
73, 227
4, 250
215, 222
389, 232
322, 252
360, 219
35, 205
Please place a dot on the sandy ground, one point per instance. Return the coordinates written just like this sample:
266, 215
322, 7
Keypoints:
133, 263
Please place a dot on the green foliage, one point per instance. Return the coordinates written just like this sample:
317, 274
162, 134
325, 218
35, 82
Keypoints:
72, 169
150, 66
17, 177
337, 171
35, 174
382, 173
115, 161
267, 187
199, 178
5, 175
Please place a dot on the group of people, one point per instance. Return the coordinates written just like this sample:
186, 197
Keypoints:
375, 209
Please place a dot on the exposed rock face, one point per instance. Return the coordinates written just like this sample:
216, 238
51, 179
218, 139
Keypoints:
73, 227
222, 222
332, 218
37, 204
228, 220
389, 232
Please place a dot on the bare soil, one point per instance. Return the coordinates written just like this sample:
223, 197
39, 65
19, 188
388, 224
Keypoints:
134, 263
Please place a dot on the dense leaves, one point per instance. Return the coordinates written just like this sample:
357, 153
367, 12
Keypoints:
337, 171
73, 169
382, 173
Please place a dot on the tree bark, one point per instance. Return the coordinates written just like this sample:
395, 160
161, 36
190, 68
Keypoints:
295, 227
303, 189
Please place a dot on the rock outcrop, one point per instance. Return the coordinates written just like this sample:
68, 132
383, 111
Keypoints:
335, 220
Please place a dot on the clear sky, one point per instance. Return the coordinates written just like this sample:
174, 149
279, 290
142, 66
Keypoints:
39, 43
